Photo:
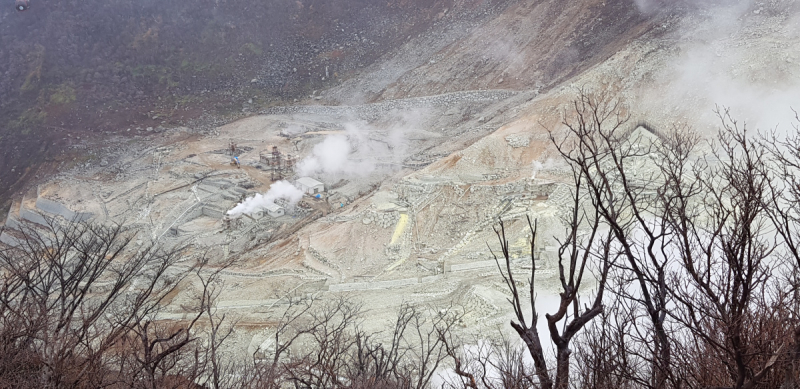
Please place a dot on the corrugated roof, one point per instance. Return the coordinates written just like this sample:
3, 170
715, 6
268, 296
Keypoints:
273, 207
308, 181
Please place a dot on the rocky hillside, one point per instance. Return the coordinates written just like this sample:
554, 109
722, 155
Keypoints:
532, 45
78, 70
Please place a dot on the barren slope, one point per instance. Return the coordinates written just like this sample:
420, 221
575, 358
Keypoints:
415, 228
530, 45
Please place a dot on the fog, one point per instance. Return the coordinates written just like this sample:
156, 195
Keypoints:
732, 54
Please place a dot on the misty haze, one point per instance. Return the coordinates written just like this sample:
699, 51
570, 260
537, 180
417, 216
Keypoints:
400, 194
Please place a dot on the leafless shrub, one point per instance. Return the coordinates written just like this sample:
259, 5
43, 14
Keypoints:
79, 305
67, 297
695, 267
784, 210
322, 344
719, 220
491, 363
696, 260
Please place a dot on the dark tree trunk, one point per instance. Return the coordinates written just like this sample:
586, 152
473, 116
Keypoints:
562, 367
532, 341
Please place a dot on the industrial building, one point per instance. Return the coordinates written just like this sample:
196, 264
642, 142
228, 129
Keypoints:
310, 186
275, 210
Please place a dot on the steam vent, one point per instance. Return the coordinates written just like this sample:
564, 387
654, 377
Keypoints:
583, 170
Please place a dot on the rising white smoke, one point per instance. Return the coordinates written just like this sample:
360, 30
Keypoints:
334, 155
537, 166
548, 165
359, 151
278, 190
738, 54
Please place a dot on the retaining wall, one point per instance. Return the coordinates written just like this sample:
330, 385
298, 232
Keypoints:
472, 265
372, 285
32, 216
8, 239
58, 209
191, 215
382, 284
213, 212
55, 208
12, 222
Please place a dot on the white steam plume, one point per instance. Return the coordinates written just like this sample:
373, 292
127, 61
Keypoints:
334, 155
736, 54
548, 165
359, 151
278, 190
537, 166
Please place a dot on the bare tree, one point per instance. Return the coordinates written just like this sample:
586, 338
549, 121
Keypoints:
425, 345
527, 332
784, 211
159, 353
80, 306
322, 344
66, 298
576, 252
328, 341
412, 356
695, 236
718, 216
598, 143
218, 369
489, 364
605, 359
